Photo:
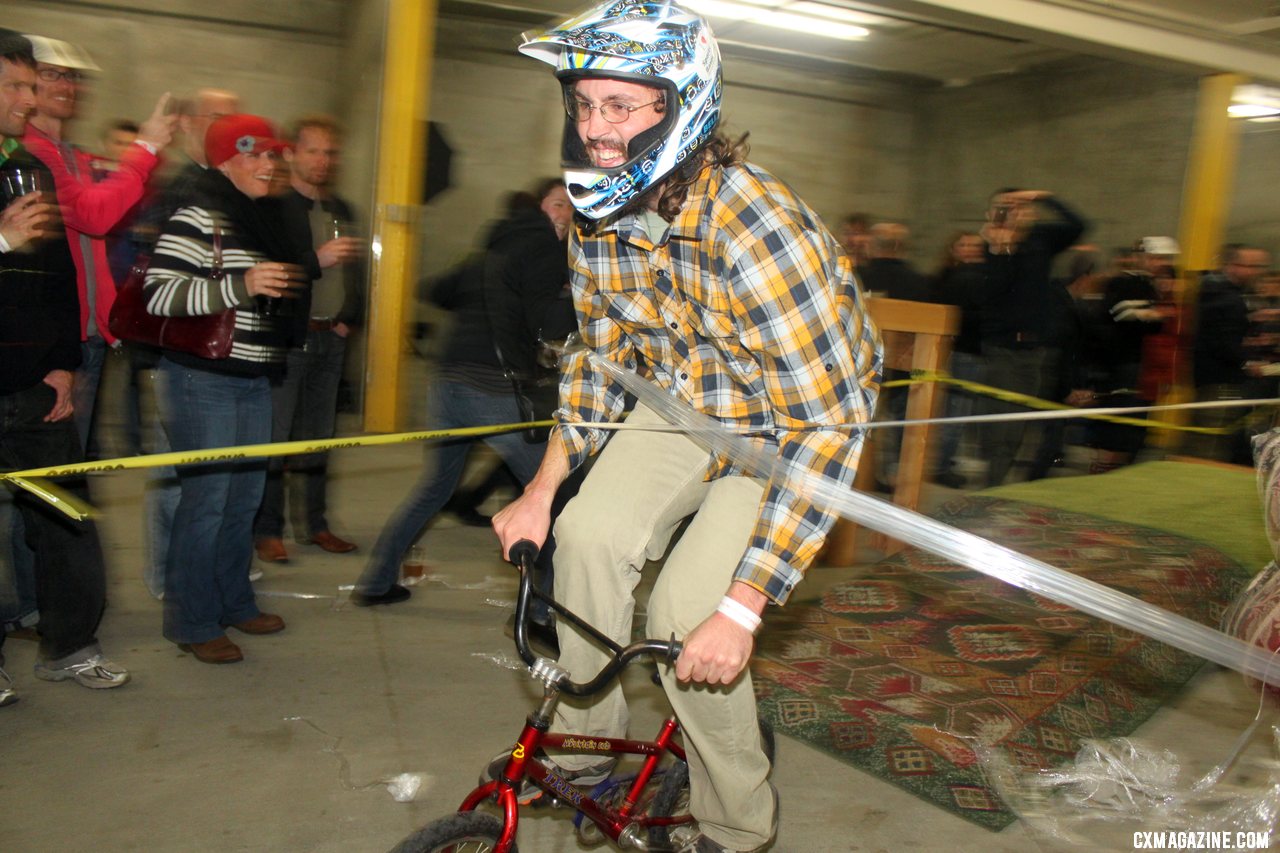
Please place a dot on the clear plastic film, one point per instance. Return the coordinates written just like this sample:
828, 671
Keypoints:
1117, 787
959, 546
1254, 616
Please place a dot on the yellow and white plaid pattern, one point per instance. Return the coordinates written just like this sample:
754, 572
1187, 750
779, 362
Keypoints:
748, 310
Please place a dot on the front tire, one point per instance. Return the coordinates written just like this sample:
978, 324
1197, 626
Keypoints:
464, 832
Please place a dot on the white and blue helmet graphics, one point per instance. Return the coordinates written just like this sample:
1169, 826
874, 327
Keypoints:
654, 42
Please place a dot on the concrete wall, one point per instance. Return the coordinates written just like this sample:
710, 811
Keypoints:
1110, 138
841, 148
280, 67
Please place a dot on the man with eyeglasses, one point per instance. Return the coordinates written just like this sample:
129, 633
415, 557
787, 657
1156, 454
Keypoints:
90, 210
1218, 366
710, 277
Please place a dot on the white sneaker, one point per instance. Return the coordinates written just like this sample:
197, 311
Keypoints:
97, 672
7, 694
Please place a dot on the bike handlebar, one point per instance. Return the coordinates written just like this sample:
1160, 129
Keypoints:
523, 554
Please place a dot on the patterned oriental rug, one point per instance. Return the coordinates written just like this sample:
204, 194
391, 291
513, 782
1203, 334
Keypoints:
898, 671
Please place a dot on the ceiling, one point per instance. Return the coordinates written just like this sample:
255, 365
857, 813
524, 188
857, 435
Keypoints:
930, 43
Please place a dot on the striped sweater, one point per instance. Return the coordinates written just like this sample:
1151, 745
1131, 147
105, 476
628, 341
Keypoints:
179, 284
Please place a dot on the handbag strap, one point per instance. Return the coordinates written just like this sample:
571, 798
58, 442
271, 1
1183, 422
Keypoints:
216, 272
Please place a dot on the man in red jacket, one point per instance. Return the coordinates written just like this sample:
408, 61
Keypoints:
90, 210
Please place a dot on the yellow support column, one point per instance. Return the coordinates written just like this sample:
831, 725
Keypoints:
1206, 199
406, 85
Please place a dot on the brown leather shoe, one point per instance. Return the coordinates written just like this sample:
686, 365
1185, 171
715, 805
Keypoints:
263, 623
331, 543
217, 650
271, 550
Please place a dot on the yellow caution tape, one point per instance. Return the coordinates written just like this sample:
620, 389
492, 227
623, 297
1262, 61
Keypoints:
75, 508
920, 376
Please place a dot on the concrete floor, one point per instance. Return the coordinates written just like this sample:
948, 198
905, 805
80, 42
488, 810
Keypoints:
286, 751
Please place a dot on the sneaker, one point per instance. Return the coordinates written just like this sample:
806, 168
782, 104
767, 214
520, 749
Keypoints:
255, 575
97, 672
529, 792
700, 843
7, 694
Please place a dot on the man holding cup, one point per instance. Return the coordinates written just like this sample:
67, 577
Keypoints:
40, 336
305, 400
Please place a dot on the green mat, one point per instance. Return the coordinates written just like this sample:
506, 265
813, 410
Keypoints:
1217, 506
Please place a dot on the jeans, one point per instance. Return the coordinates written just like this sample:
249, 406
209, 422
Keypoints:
69, 575
1032, 371
451, 405
84, 394
160, 501
960, 403
206, 584
17, 568
304, 405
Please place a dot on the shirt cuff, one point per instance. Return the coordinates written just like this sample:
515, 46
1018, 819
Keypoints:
5, 248
768, 573
147, 146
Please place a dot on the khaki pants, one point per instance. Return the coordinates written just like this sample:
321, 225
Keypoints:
639, 490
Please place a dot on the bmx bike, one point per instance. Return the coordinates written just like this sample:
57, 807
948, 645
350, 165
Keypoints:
646, 809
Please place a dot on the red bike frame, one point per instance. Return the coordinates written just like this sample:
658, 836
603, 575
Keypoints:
611, 822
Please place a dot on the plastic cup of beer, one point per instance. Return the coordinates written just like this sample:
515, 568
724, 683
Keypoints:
414, 567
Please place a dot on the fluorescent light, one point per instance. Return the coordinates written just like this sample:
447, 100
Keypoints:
835, 13
1252, 111
803, 17
813, 26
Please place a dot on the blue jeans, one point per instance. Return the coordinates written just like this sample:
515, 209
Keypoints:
450, 405
206, 584
84, 394
960, 404
160, 501
304, 406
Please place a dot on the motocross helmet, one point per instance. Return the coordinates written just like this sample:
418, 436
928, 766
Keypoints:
654, 42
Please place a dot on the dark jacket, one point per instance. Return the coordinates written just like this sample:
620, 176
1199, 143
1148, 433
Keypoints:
39, 304
963, 286
1014, 311
294, 210
1221, 325
508, 296
894, 278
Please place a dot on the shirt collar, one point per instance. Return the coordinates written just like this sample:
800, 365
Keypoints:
689, 222
7, 148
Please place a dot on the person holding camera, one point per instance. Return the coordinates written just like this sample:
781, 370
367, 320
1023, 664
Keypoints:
1025, 231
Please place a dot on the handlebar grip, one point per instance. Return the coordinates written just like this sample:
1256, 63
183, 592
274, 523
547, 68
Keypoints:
524, 552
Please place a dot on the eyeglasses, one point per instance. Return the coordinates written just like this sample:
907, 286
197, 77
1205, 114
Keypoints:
53, 75
611, 111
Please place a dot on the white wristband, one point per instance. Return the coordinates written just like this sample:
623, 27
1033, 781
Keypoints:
740, 613
4, 245
147, 146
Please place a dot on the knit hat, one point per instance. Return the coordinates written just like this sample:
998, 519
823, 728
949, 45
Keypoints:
240, 134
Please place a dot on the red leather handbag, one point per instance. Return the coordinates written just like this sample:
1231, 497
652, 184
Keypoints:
204, 335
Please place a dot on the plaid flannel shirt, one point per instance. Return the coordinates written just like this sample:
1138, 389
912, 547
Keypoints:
748, 310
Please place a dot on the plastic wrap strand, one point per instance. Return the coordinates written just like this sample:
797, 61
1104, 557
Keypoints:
959, 546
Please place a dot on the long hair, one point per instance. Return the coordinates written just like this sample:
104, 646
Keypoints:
720, 151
